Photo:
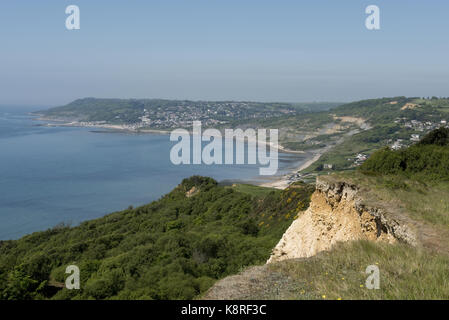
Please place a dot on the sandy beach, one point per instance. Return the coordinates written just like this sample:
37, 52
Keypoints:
283, 181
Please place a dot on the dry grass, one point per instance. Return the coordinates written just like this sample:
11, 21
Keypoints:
424, 204
423, 201
405, 273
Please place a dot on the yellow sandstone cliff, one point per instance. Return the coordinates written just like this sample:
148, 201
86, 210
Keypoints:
338, 212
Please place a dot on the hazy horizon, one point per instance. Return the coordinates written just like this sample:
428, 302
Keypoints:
159, 98
283, 51
180, 99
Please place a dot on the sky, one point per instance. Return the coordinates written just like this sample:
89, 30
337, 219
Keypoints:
277, 50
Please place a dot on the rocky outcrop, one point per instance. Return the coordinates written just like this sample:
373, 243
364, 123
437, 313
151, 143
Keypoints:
192, 192
339, 211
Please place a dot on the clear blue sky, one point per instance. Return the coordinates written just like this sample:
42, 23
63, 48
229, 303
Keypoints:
277, 50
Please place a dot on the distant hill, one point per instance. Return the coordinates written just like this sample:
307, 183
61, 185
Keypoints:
343, 132
391, 122
163, 113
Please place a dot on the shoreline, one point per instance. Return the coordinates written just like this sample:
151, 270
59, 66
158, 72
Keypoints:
284, 181
124, 128
278, 182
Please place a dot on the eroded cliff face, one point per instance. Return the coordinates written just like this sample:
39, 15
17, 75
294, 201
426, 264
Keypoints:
338, 212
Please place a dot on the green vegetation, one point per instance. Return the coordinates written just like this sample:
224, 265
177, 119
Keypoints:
302, 126
254, 190
173, 248
176, 113
178, 246
439, 137
379, 111
411, 184
389, 120
423, 200
366, 142
109, 110
428, 160
418, 192
405, 273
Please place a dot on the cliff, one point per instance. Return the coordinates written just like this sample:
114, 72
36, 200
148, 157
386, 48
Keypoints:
338, 212
355, 221
394, 217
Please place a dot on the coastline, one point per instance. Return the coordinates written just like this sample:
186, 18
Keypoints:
278, 182
285, 180
130, 129
114, 127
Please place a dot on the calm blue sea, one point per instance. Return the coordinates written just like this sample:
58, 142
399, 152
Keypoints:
50, 175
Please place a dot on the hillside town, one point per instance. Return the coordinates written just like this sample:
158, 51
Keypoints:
168, 115
419, 126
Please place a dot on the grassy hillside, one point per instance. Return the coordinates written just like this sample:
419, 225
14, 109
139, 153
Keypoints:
173, 248
127, 111
406, 273
411, 183
428, 159
390, 120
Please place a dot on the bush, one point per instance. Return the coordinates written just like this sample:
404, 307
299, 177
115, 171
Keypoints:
428, 159
438, 137
173, 248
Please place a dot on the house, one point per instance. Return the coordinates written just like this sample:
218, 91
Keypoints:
397, 145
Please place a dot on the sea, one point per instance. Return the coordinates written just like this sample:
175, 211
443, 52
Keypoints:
52, 174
